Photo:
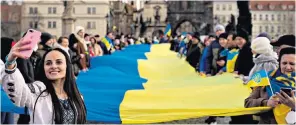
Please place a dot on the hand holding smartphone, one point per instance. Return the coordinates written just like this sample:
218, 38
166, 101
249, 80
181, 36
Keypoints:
34, 37
287, 91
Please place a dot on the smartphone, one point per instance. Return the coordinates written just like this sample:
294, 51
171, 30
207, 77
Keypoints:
33, 36
287, 91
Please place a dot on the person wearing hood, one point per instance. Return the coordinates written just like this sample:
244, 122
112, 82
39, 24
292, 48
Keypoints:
243, 66
81, 47
45, 44
263, 56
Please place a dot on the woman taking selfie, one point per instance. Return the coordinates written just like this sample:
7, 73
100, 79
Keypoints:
262, 96
54, 97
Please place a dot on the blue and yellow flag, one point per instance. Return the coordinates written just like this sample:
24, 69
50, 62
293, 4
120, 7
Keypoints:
231, 59
168, 30
259, 78
108, 42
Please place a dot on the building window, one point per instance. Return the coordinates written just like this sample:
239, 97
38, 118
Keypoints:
73, 10
35, 10
91, 25
260, 17
36, 25
279, 17
266, 17
279, 29
223, 7
88, 10
217, 7
259, 6
272, 29
230, 7
49, 10
54, 10
49, 24
94, 10
189, 4
291, 7
284, 7
284, 17
254, 17
223, 19
272, 17
54, 24
284, 30
31, 10
260, 29
266, 28
31, 24
91, 10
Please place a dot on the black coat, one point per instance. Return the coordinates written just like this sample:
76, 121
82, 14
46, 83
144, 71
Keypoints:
26, 68
244, 62
193, 55
75, 58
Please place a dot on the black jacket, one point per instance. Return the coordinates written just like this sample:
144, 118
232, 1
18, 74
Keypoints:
193, 55
244, 62
26, 68
75, 58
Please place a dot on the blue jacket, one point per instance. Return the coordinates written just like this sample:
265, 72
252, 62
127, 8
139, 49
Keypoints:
211, 58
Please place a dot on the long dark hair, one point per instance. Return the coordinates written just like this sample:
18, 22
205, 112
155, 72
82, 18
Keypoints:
70, 87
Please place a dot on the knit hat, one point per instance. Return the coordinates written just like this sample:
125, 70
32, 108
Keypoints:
285, 40
223, 35
45, 37
243, 33
78, 28
264, 34
219, 27
261, 45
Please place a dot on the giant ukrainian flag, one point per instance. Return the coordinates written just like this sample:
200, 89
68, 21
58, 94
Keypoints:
150, 84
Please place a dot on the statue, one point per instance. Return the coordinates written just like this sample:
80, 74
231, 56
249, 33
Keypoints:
68, 19
68, 11
244, 19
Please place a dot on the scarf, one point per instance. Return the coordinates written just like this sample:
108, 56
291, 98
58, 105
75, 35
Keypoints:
288, 81
81, 40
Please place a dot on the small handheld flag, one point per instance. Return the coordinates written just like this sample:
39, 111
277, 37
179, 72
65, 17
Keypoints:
260, 78
168, 30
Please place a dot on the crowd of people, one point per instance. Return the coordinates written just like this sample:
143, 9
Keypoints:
235, 52
49, 74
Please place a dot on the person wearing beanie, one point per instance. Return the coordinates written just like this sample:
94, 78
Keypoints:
221, 61
213, 52
284, 42
264, 34
243, 65
46, 44
219, 29
264, 58
244, 62
262, 96
194, 50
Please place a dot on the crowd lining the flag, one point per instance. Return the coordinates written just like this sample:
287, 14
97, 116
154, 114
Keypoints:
263, 64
